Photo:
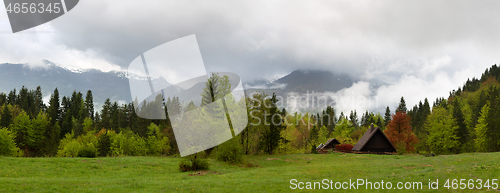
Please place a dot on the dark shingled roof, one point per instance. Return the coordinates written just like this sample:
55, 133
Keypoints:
374, 140
330, 144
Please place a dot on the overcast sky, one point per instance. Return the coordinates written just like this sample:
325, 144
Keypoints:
417, 48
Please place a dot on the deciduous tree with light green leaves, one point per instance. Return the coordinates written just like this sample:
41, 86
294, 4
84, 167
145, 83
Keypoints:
343, 131
442, 132
482, 128
7, 144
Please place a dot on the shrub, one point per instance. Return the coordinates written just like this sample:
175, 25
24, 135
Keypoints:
344, 147
69, 149
7, 144
192, 163
131, 144
104, 144
199, 164
83, 146
230, 151
185, 165
400, 148
88, 151
313, 149
157, 146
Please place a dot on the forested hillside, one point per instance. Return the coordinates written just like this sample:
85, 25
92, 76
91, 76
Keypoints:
465, 121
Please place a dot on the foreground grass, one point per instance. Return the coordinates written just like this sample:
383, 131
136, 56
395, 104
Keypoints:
269, 173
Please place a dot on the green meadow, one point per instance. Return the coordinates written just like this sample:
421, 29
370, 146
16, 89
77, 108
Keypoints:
265, 173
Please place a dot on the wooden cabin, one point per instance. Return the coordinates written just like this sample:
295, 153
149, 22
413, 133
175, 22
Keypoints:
328, 146
374, 141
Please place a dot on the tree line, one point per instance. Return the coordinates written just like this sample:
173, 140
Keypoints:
465, 121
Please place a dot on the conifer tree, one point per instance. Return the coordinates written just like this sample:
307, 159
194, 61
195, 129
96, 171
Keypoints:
402, 106
387, 117
462, 132
53, 111
6, 118
89, 104
353, 117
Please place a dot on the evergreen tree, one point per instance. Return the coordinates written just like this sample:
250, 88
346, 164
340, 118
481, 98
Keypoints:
23, 101
89, 104
402, 106
53, 111
38, 106
313, 135
329, 119
354, 119
365, 119
271, 134
76, 104
115, 117
3, 99
6, 118
106, 114
462, 132
493, 119
66, 118
387, 117
426, 109
379, 122
104, 144
12, 97
216, 87
283, 113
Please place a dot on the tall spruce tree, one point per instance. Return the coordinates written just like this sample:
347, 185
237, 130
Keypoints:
402, 106
462, 132
53, 111
89, 104
12, 97
271, 133
38, 100
354, 118
387, 117
3, 99
329, 119
6, 118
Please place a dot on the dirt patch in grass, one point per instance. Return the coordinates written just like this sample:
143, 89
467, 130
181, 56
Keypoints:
307, 158
202, 173
150, 163
272, 158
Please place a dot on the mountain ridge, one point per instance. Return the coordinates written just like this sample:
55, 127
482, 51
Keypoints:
302, 81
112, 84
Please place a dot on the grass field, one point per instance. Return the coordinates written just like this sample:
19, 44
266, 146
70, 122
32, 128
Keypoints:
269, 173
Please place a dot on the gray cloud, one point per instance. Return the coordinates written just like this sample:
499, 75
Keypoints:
400, 43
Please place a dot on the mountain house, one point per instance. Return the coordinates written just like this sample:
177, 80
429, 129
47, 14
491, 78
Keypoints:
328, 146
375, 141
